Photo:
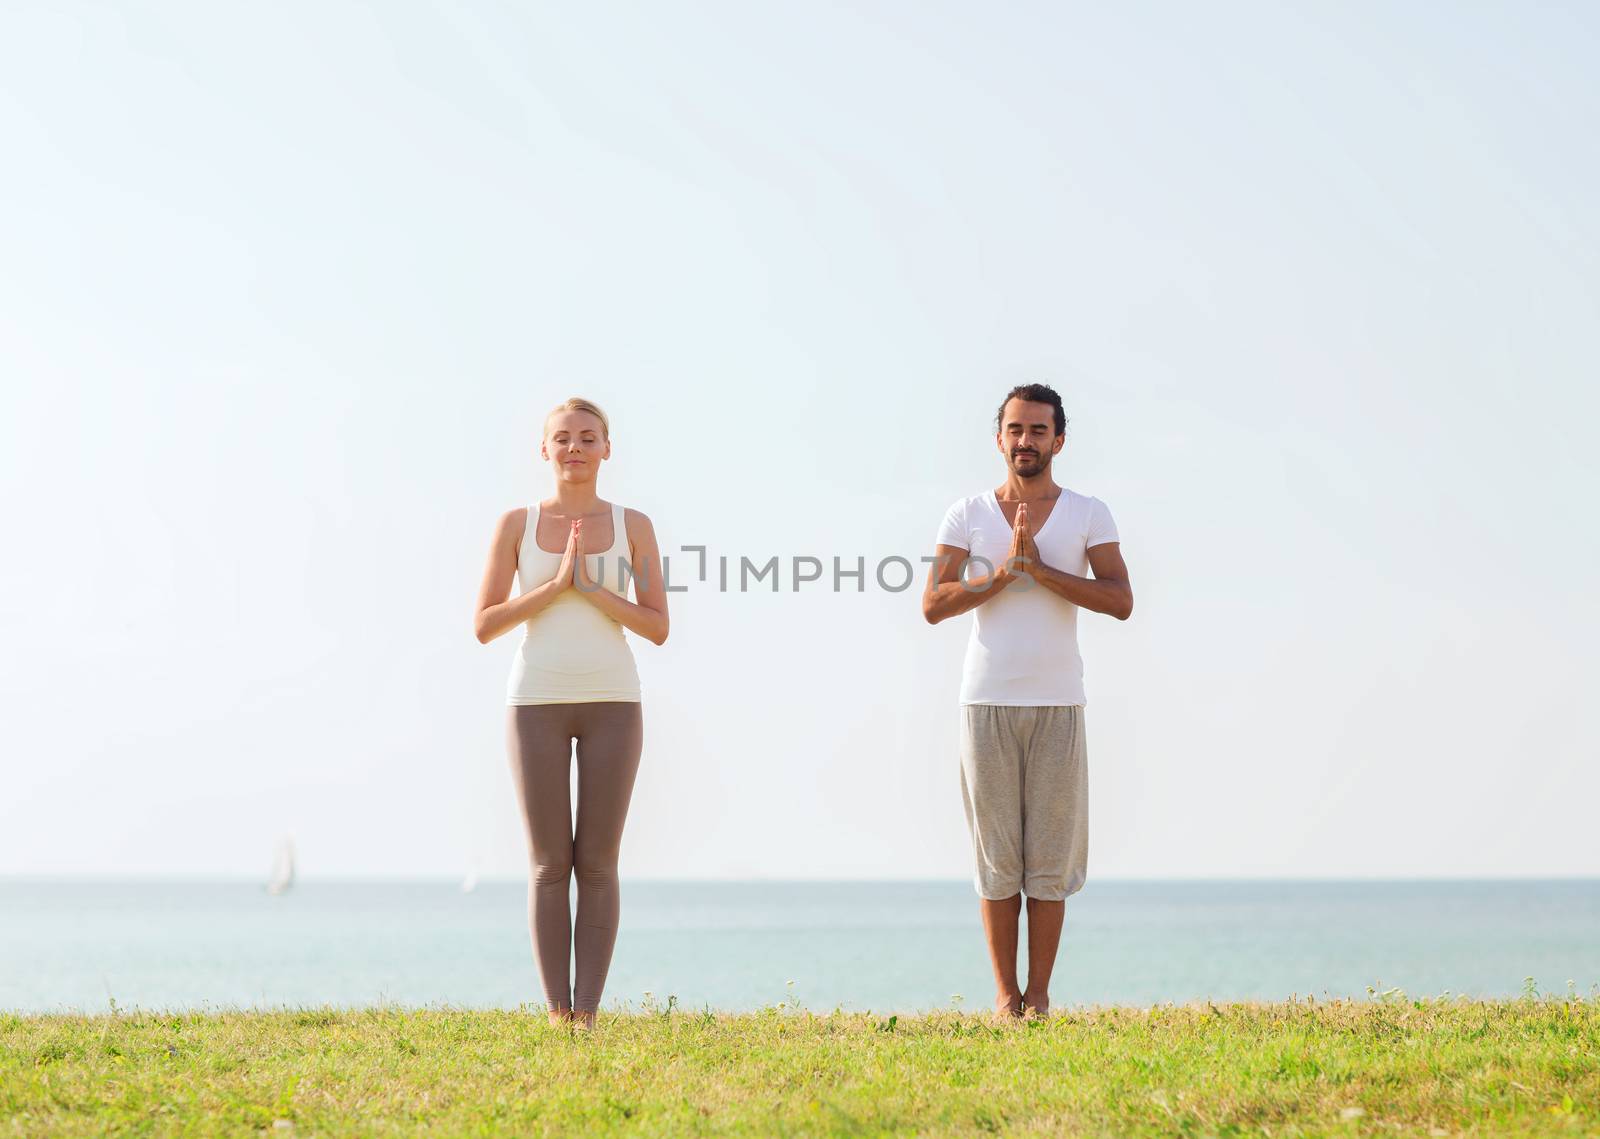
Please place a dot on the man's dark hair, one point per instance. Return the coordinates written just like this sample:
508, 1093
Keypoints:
1033, 393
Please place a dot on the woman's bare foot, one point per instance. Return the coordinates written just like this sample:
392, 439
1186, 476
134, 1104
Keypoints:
1008, 1004
560, 1015
1036, 1005
583, 1020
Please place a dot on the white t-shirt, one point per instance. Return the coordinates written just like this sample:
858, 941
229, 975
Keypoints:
1024, 644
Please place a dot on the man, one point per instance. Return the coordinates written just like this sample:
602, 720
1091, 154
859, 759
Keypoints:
1024, 775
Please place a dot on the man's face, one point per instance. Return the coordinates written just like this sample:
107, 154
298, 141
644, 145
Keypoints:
1028, 438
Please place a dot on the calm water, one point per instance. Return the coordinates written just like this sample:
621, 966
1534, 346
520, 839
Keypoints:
884, 946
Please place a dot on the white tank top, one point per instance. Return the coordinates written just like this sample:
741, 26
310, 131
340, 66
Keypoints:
571, 652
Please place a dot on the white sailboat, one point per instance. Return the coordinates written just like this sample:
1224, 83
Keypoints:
282, 869
470, 882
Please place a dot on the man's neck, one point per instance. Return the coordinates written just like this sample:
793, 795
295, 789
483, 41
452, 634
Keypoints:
1028, 488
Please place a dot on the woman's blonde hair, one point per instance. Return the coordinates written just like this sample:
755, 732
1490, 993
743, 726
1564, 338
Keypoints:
576, 403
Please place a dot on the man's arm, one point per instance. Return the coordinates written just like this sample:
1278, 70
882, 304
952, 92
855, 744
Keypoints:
1107, 592
946, 595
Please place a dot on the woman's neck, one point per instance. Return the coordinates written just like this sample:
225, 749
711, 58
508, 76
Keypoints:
573, 499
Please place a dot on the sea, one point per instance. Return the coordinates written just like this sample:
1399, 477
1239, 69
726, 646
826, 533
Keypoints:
857, 946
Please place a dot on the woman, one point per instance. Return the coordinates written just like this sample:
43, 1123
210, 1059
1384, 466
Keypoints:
573, 678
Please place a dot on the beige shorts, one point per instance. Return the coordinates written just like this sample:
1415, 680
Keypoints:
1025, 785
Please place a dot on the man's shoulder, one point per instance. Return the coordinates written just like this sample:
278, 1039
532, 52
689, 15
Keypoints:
968, 502
955, 529
966, 509
1078, 500
1091, 518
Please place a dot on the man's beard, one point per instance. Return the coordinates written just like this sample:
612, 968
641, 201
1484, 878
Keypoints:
1041, 463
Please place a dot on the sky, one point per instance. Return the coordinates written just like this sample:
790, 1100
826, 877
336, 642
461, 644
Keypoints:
286, 291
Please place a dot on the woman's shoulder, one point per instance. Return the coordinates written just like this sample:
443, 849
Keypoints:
513, 522
637, 522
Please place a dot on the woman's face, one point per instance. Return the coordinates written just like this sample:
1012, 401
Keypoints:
574, 444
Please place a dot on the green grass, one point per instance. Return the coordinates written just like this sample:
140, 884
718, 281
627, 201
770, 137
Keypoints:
1382, 1067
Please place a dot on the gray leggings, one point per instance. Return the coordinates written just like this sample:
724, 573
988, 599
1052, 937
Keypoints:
610, 735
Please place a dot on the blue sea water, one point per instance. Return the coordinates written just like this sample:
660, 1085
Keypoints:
883, 946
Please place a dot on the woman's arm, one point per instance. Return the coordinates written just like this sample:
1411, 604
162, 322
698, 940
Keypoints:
495, 614
647, 616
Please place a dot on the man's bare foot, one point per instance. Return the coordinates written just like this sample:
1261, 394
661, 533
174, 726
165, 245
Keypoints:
1008, 1004
1035, 1006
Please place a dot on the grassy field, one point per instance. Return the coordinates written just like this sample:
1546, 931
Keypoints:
1382, 1067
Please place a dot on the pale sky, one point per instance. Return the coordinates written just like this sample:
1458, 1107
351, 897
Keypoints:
287, 290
